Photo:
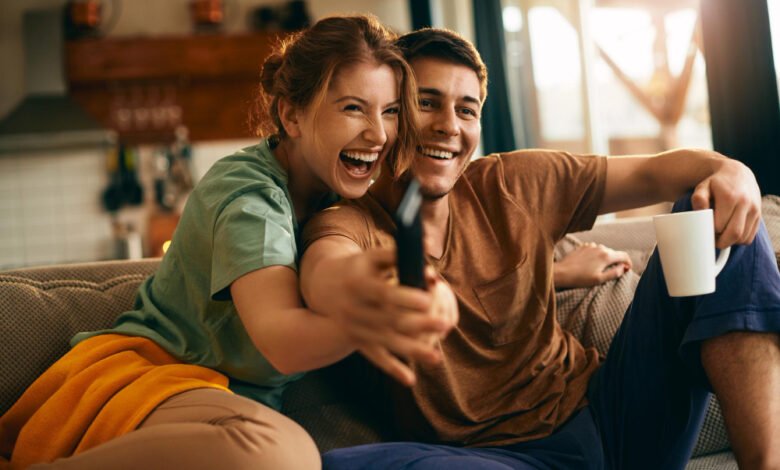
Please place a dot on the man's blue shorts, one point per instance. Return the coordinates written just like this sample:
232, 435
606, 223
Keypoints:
647, 400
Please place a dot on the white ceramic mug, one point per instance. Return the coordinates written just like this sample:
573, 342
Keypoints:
686, 244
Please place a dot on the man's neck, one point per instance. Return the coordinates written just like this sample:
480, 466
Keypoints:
435, 213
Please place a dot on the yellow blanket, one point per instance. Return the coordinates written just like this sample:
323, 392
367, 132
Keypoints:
103, 388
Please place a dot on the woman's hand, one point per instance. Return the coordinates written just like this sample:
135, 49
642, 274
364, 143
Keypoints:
590, 265
444, 307
389, 323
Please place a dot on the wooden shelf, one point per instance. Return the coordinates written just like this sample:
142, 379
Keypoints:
145, 87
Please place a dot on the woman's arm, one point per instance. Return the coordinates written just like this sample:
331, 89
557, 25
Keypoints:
383, 319
291, 337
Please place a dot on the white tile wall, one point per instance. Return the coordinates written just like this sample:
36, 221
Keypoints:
50, 208
50, 203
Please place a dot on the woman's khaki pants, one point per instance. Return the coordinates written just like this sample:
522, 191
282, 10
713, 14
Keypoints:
204, 429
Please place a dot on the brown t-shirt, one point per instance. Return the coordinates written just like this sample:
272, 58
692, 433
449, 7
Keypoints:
510, 373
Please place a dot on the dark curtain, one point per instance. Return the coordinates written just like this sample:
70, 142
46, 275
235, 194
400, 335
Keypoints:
497, 130
744, 107
421, 13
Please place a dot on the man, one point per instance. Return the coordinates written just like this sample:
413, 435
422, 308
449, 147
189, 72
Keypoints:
513, 390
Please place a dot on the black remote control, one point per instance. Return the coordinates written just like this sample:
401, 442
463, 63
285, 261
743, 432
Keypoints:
409, 238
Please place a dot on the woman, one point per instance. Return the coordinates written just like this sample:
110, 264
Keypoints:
222, 313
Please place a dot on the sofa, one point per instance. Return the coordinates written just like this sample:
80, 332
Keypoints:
41, 308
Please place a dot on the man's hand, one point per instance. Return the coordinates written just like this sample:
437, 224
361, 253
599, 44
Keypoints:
389, 323
443, 307
445, 304
725, 185
733, 193
590, 265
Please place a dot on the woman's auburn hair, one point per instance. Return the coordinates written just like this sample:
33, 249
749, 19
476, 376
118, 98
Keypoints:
303, 65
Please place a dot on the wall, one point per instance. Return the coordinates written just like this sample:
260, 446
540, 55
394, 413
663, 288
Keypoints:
155, 17
50, 203
50, 210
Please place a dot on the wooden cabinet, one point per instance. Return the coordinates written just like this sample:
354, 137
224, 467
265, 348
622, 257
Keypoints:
146, 87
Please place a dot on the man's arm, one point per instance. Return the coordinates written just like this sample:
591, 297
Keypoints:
726, 185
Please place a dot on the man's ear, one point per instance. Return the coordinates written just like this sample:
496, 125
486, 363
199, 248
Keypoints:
289, 116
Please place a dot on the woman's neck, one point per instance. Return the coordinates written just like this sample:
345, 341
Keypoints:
305, 189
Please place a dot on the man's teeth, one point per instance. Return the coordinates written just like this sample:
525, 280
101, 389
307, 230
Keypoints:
442, 154
363, 157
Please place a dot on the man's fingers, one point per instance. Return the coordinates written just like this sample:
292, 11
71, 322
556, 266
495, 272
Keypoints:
390, 364
380, 294
734, 229
618, 257
431, 276
613, 272
754, 222
413, 349
410, 348
412, 324
700, 199
753, 230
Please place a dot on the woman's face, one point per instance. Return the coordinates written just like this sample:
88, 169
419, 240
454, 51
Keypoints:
347, 138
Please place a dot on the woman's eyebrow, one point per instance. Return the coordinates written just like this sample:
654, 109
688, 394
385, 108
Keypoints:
362, 101
351, 97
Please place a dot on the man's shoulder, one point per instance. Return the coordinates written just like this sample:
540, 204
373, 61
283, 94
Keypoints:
520, 162
355, 218
344, 210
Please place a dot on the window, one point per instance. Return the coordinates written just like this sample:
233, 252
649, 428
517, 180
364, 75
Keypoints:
607, 76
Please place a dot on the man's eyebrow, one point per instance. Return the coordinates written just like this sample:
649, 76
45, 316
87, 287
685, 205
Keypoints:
437, 92
429, 91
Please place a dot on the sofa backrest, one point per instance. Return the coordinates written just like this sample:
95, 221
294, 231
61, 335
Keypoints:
42, 308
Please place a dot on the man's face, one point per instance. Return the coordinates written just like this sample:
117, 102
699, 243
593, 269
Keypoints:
450, 108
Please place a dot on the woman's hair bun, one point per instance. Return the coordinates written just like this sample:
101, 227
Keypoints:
268, 74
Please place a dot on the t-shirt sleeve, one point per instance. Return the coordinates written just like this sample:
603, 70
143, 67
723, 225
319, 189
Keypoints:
253, 231
561, 190
342, 220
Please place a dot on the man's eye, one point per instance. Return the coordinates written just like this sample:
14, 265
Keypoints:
425, 104
469, 112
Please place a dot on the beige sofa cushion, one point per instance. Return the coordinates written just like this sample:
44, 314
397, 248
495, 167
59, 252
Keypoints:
594, 314
42, 308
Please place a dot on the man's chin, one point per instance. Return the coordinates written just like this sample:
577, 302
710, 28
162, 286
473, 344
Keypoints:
434, 193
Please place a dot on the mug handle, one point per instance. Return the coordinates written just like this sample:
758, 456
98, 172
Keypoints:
722, 258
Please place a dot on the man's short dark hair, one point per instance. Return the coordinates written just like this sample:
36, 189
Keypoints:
446, 45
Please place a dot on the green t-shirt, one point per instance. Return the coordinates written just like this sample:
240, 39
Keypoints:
238, 219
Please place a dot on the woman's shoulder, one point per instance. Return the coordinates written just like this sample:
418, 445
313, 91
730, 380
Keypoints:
248, 175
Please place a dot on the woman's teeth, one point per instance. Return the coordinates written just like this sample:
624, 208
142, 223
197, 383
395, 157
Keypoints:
358, 163
363, 157
435, 153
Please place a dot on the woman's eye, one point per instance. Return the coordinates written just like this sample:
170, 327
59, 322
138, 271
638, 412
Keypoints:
392, 111
352, 107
